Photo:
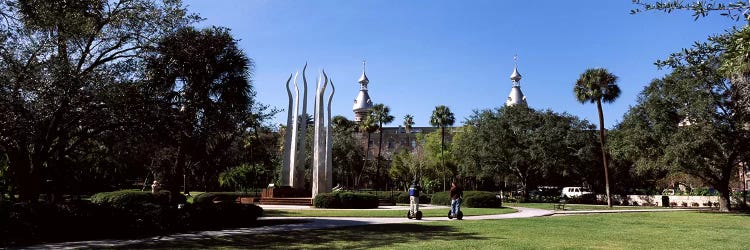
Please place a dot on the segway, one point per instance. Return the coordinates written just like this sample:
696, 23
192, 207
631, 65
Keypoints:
417, 215
459, 216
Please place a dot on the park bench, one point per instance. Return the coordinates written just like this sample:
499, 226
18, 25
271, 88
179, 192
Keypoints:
560, 205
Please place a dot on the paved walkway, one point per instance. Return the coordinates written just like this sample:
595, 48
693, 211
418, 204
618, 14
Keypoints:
311, 223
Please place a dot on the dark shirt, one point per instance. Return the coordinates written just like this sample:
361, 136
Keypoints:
456, 192
414, 190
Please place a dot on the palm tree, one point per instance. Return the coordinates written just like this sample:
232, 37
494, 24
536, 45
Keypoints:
367, 125
442, 117
597, 86
216, 91
408, 123
381, 115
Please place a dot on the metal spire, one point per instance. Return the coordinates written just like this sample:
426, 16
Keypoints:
515, 76
363, 79
362, 103
515, 96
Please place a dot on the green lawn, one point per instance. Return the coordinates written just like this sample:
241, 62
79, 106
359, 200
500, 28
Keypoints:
674, 230
578, 207
378, 212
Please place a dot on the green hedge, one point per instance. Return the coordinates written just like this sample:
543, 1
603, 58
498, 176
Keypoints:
210, 197
479, 199
482, 200
327, 200
402, 196
442, 198
346, 200
129, 198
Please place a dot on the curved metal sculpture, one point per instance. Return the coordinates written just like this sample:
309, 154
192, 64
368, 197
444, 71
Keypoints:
288, 135
329, 143
293, 168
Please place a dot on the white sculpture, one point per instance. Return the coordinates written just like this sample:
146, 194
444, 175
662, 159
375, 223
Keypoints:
292, 172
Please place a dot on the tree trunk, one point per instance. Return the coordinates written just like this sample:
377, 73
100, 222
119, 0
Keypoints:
364, 165
724, 200
24, 175
179, 172
604, 151
442, 158
377, 160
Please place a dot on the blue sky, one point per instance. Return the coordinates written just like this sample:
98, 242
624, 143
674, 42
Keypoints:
422, 53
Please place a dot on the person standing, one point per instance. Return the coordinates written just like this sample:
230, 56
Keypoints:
414, 197
456, 194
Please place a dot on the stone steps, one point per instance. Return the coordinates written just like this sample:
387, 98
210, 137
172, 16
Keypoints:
286, 201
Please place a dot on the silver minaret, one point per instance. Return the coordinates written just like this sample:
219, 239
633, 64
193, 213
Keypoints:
363, 103
515, 96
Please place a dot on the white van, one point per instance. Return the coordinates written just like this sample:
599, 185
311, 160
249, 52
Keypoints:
570, 192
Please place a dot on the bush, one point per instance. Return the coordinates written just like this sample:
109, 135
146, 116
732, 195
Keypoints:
442, 198
402, 197
130, 198
470, 199
483, 200
33, 222
211, 197
583, 199
346, 200
326, 200
357, 200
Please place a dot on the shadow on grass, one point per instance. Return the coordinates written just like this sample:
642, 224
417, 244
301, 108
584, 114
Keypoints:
275, 213
126, 241
355, 237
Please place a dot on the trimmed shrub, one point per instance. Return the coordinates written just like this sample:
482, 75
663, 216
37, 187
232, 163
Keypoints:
483, 200
402, 196
470, 199
123, 198
346, 200
130, 198
358, 200
211, 197
442, 198
583, 199
326, 200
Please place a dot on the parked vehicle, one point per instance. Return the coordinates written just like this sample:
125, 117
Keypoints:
572, 192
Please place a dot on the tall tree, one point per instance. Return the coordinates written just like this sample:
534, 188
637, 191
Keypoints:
347, 151
597, 86
206, 78
382, 116
689, 122
736, 63
442, 117
368, 126
534, 147
66, 66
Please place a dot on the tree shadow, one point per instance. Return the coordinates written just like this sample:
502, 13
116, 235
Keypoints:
354, 237
275, 213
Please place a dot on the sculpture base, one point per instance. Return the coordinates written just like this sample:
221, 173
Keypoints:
284, 192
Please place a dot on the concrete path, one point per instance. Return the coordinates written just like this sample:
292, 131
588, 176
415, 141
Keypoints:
311, 223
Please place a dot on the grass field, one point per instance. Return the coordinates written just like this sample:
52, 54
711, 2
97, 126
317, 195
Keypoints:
674, 230
379, 212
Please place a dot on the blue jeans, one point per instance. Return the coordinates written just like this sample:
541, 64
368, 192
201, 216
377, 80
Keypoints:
455, 206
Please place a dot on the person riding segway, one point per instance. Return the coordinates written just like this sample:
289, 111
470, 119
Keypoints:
414, 201
456, 194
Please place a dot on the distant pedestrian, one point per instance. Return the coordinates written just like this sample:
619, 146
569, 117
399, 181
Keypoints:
414, 196
456, 194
